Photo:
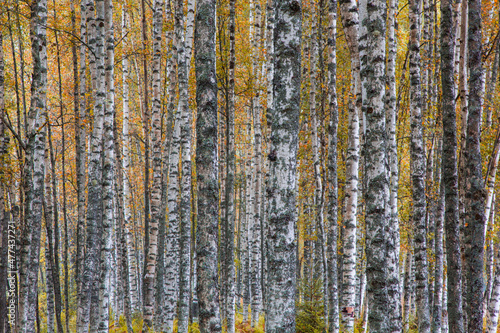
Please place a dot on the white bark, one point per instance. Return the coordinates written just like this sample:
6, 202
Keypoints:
372, 32
88, 306
156, 214
418, 171
350, 21
494, 304
184, 51
34, 171
207, 231
231, 170
108, 174
332, 182
393, 243
281, 240
49, 259
172, 241
491, 178
132, 276
437, 309
255, 224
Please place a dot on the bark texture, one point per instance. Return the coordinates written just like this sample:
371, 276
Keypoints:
417, 155
350, 22
393, 241
475, 194
372, 31
437, 308
450, 175
156, 214
230, 180
207, 167
34, 171
108, 185
332, 183
91, 265
281, 193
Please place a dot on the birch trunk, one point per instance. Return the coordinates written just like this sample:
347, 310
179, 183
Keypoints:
281, 241
247, 244
318, 195
407, 291
165, 313
332, 183
445, 323
63, 162
4, 214
34, 170
108, 185
392, 152
255, 227
170, 189
80, 138
494, 304
492, 85
267, 131
56, 235
490, 266
147, 280
449, 176
122, 252
491, 178
230, 183
49, 254
437, 308
475, 194
418, 171
350, 22
95, 194
184, 52
377, 181
151, 260
207, 167
463, 90
172, 241
127, 214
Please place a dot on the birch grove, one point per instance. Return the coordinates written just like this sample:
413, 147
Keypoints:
249, 166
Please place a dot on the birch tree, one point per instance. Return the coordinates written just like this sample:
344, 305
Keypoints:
494, 304
34, 170
437, 309
332, 183
318, 191
418, 171
281, 240
377, 182
450, 176
51, 199
206, 166
80, 139
350, 22
49, 255
255, 227
393, 241
151, 265
172, 241
90, 279
475, 193
3, 211
230, 179
108, 184
132, 276
184, 55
